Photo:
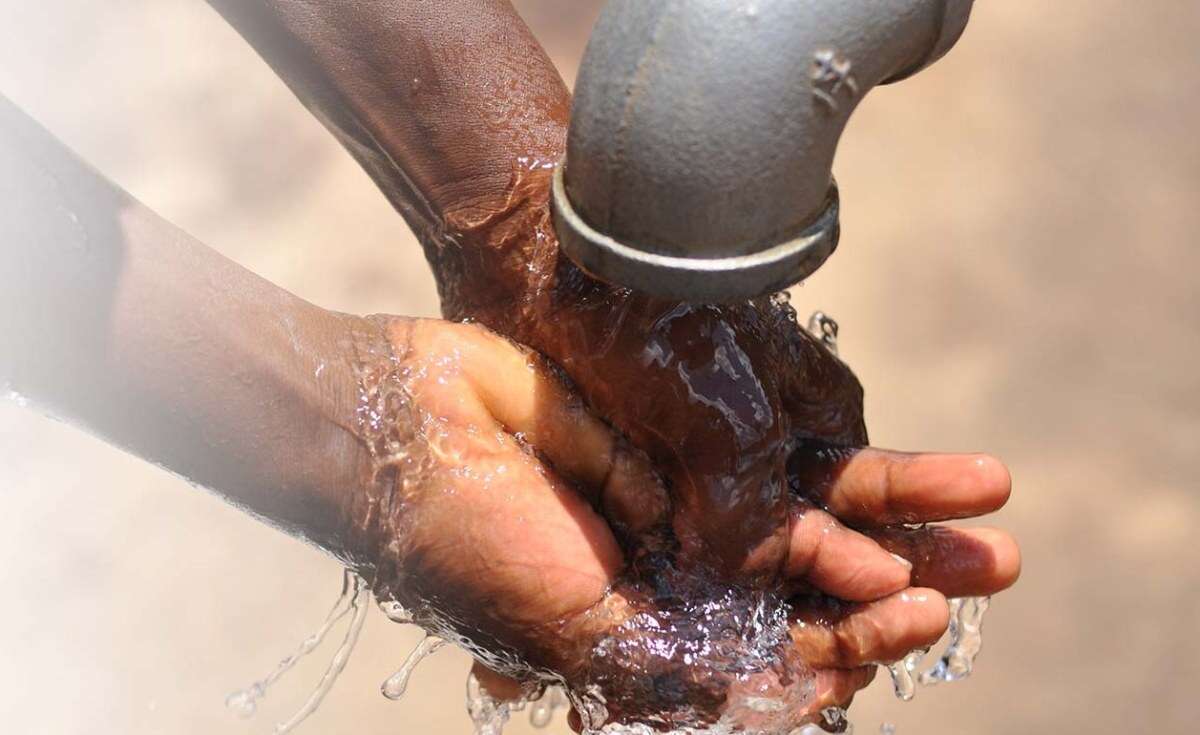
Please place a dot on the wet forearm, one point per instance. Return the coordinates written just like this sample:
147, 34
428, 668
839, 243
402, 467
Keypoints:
437, 100
115, 320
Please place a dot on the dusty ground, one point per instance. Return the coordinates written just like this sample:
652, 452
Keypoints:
1016, 273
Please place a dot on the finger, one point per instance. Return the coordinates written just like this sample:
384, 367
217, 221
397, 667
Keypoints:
837, 687
879, 487
840, 636
838, 561
532, 402
958, 562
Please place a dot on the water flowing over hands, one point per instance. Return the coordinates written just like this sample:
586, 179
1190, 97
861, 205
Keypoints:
757, 429
752, 424
511, 517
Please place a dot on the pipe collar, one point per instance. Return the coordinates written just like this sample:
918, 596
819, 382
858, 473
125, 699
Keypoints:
701, 280
702, 136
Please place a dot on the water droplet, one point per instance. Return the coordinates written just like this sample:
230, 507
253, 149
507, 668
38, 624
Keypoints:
396, 612
397, 683
243, 703
958, 660
542, 711
966, 640
488, 714
12, 395
903, 678
836, 720
824, 328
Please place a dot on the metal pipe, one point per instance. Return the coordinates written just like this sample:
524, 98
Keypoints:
702, 135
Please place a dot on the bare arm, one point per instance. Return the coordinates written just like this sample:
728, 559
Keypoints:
116, 320
437, 100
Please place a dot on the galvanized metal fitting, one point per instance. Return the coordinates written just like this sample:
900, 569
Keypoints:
699, 156
697, 279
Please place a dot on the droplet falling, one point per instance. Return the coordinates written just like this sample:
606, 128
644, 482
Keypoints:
12, 395
542, 711
396, 612
958, 660
836, 720
488, 714
824, 328
903, 672
966, 640
244, 702
540, 714
397, 684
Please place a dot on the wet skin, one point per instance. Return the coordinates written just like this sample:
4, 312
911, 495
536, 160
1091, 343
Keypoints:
457, 114
513, 520
486, 492
524, 525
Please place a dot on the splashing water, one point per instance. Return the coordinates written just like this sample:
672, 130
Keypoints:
725, 633
823, 327
352, 601
358, 605
903, 672
836, 720
541, 712
396, 612
244, 702
397, 683
488, 714
730, 632
707, 657
966, 640
12, 395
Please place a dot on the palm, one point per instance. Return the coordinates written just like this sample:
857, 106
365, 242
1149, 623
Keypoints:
479, 539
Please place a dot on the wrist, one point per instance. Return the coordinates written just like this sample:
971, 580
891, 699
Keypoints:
486, 258
376, 414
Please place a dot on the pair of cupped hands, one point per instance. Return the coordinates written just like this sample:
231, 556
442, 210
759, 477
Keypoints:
559, 451
525, 509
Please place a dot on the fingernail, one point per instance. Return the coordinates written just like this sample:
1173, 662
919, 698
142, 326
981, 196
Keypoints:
903, 562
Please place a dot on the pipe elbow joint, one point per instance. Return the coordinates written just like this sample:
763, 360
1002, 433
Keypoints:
702, 135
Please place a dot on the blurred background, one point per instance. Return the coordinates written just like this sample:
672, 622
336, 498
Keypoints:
1017, 274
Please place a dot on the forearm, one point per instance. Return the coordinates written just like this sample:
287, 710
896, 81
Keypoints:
437, 100
117, 321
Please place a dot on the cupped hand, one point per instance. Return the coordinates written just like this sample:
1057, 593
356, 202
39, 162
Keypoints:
511, 519
886, 607
488, 525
